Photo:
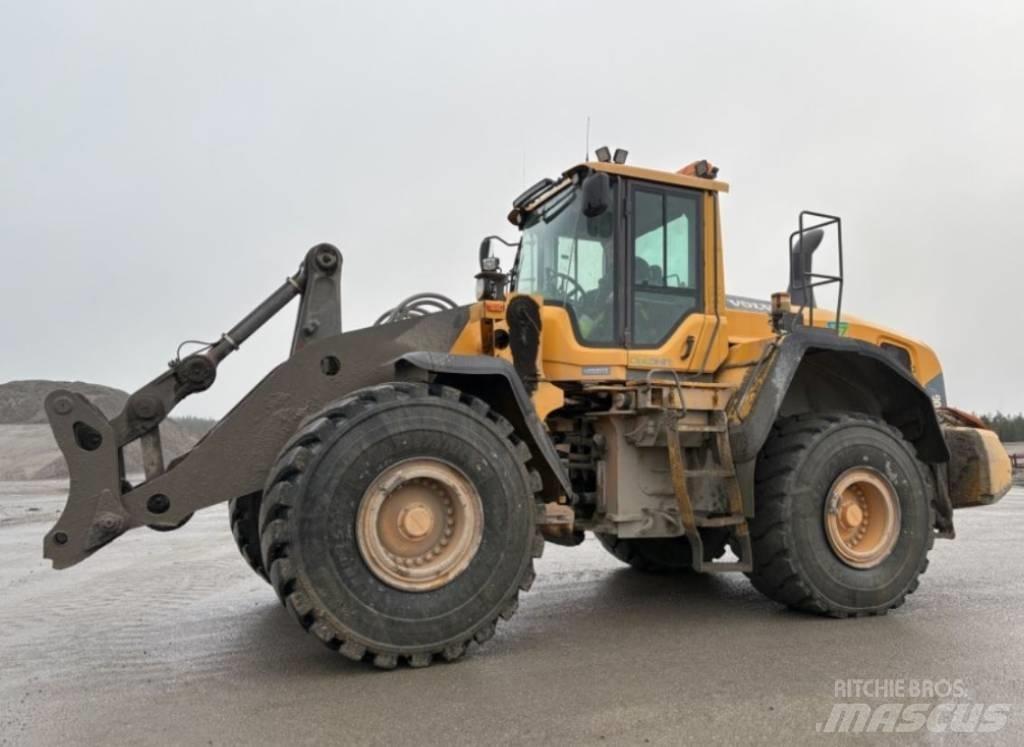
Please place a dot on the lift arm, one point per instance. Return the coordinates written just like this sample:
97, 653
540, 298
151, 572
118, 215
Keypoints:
92, 444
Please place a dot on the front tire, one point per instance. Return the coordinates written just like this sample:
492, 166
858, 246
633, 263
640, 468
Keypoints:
244, 516
821, 482
343, 519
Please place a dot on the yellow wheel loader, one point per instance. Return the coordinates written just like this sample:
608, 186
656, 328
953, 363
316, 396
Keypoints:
395, 483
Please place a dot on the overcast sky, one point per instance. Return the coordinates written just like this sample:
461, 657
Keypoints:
164, 165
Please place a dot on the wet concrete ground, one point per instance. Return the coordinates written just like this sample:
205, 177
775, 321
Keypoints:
170, 638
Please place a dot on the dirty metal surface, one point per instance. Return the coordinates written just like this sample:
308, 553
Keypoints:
258, 427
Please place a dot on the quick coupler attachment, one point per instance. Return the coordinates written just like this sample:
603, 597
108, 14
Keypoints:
93, 514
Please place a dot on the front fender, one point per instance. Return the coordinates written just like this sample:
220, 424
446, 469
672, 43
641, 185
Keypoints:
496, 382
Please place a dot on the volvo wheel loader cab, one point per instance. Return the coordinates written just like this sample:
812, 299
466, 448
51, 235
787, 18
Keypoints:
395, 483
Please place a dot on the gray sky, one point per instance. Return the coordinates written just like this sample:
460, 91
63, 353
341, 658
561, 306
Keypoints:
164, 165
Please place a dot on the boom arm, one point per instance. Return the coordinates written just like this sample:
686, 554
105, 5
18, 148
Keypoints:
92, 444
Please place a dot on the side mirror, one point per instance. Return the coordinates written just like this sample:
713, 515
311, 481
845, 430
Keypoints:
485, 250
488, 262
491, 281
801, 265
597, 194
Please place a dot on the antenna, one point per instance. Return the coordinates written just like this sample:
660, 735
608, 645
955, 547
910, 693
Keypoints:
586, 152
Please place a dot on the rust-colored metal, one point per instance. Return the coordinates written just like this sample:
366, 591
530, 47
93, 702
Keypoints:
557, 523
703, 169
956, 417
678, 470
419, 524
862, 517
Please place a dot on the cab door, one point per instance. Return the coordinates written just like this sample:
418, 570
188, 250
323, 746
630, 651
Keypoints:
667, 279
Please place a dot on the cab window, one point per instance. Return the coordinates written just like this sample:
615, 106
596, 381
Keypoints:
665, 261
569, 259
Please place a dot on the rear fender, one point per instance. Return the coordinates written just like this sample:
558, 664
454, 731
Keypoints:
815, 370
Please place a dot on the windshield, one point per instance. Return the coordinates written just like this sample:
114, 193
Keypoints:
568, 259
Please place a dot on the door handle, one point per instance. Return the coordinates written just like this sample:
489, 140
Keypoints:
688, 347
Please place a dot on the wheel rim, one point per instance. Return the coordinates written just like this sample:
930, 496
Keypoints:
419, 524
862, 517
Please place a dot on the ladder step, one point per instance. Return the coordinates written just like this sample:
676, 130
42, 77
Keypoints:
735, 520
700, 428
710, 473
720, 521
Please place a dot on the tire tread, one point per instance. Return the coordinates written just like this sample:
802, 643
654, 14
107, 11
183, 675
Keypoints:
276, 536
243, 516
777, 573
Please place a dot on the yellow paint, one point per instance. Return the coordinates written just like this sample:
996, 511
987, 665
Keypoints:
747, 326
547, 398
726, 342
997, 465
653, 175
559, 347
469, 341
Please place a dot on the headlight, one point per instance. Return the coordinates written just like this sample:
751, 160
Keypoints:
481, 288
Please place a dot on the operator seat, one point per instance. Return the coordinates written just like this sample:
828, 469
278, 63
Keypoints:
641, 272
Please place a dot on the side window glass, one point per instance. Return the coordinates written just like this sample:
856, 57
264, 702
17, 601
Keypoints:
665, 255
527, 270
680, 260
650, 237
584, 284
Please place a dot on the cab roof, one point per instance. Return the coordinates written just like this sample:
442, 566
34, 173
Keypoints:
537, 196
654, 175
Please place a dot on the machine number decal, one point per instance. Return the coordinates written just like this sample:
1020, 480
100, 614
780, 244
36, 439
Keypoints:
649, 360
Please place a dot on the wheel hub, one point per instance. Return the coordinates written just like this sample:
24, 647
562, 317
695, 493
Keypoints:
416, 521
862, 517
852, 515
419, 524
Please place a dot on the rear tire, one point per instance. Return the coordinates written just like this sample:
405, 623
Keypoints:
244, 515
315, 533
795, 561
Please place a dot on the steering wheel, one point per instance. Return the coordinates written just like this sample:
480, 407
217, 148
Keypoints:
573, 294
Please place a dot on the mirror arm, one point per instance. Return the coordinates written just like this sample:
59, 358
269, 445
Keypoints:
485, 245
